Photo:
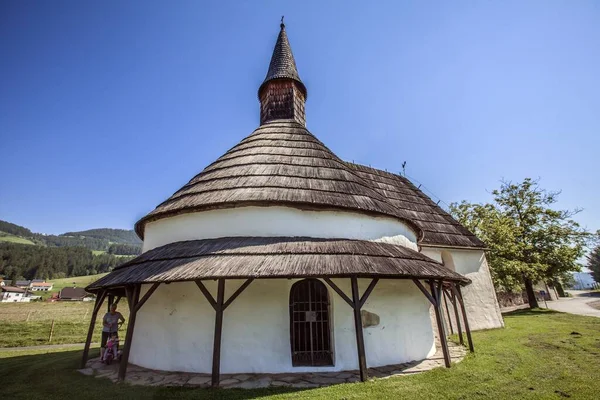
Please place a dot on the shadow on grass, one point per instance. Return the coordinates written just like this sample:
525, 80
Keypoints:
529, 312
54, 376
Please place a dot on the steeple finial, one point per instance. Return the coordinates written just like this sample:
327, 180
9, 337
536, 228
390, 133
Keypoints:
282, 25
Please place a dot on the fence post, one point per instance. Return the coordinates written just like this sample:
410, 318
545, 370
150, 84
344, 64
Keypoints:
28, 315
51, 331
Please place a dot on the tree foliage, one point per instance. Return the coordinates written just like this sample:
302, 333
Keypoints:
594, 262
17, 260
528, 240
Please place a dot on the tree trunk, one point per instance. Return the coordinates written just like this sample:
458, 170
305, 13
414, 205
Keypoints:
530, 293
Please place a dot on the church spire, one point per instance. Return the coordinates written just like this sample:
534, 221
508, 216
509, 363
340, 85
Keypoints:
282, 93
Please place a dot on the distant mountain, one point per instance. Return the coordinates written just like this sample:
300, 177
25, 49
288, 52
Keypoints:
112, 235
26, 254
112, 241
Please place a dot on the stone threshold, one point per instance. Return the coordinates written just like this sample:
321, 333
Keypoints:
146, 377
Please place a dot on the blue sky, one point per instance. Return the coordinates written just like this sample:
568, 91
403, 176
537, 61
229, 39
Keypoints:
108, 107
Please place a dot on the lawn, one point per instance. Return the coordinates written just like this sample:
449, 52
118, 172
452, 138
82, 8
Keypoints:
29, 324
79, 281
14, 239
540, 354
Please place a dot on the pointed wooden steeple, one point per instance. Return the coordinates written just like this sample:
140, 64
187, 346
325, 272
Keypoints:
282, 94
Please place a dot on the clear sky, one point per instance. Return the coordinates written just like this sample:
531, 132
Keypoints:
108, 107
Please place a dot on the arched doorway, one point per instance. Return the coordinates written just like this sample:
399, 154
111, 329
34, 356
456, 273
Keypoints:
310, 325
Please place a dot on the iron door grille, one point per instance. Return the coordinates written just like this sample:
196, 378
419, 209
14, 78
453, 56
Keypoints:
310, 324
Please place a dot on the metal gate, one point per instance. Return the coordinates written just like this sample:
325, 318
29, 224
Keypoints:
309, 324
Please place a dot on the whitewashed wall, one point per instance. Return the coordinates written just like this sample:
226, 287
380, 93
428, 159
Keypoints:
277, 221
174, 329
480, 297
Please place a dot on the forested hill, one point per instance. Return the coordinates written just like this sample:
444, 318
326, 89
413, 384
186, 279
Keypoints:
30, 255
113, 241
112, 235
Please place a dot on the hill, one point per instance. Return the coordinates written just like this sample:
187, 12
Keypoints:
14, 239
112, 235
103, 240
30, 255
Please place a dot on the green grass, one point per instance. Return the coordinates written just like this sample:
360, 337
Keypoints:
14, 239
29, 324
537, 356
79, 281
98, 252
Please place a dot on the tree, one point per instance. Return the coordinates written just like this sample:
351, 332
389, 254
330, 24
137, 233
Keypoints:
528, 241
594, 262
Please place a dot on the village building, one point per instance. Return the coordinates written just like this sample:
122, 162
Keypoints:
41, 286
74, 294
13, 294
279, 257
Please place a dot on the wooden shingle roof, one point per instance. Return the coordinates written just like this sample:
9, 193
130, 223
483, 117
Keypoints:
282, 163
283, 64
275, 257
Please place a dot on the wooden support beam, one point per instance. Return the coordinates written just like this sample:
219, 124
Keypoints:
111, 299
134, 294
456, 289
237, 293
216, 361
445, 296
367, 292
118, 299
128, 293
88, 340
457, 317
141, 302
360, 341
339, 292
206, 294
425, 292
440, 322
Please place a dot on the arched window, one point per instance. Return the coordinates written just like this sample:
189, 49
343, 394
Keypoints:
310, 329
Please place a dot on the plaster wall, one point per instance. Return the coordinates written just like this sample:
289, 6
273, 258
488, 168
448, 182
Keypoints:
277, 221
480, 296
175, 327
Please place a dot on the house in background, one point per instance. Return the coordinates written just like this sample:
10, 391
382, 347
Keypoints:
74, 294
12, 294
23, 284
41, 286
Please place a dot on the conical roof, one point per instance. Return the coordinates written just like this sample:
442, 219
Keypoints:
282, 63
280, 163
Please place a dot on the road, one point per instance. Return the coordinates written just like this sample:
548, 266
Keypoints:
576, 304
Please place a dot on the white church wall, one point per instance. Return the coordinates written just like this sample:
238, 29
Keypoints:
480, 297
175, 327
276, 221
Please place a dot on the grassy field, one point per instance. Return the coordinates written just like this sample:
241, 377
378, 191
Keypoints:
79, 281
539, 355
14, 239
29, 324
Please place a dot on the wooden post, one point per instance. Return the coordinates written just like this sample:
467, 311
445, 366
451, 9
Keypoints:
457, 317
464, 313
440, 322
51, 331
88, 340
219, 306
134, 295
360, 341
216, 365
448, 312
111, 299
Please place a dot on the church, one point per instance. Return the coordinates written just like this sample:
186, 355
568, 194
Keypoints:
280, 257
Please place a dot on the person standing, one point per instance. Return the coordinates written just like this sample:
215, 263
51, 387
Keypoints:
110, 327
